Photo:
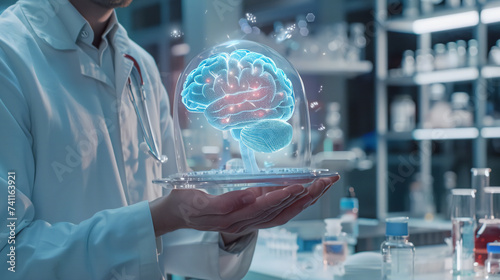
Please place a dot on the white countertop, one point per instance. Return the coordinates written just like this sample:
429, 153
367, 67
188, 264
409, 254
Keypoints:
431, 263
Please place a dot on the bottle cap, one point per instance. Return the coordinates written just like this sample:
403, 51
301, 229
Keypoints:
493, 247
396, 226
333, 226
348, 203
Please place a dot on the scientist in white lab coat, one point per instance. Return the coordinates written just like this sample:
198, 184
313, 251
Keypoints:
76, 197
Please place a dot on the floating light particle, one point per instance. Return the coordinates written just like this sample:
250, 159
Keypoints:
176, 33
321, 127
310, 17
304, 31
320, 88
314, 104
251, 18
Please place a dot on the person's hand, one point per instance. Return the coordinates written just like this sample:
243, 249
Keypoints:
234, 213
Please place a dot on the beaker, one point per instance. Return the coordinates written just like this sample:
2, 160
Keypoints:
489, 227
463, 225
480, 179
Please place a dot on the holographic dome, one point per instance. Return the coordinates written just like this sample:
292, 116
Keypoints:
240, 115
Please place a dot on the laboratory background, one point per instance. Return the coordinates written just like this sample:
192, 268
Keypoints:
404, 103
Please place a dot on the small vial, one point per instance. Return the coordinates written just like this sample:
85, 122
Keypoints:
349, 206
334, 244
408, 63
398, 254
440, 57
492, 263
472, 53
453, 3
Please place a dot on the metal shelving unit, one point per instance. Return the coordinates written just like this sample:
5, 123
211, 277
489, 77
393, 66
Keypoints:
470, 17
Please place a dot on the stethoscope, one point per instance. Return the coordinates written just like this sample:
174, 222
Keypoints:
149, 145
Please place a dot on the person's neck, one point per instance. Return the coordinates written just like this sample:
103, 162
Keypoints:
97, 16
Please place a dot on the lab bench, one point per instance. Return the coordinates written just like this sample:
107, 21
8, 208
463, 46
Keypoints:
431, 263
432, 257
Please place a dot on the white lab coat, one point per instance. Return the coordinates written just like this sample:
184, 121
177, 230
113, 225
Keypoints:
82, 184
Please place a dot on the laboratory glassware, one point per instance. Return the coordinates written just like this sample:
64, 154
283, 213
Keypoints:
334, 137
398, 254
489, 227
492, 263
403, 112
334, 243
480, 179
462, 114
408, 63
472, 52
462, 233
349, 206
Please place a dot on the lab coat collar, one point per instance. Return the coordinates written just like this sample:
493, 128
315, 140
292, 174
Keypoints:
42, 17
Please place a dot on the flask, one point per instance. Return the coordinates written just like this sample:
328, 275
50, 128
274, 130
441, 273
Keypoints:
492, 263
398, 254
489, 227
334, 243
349, 206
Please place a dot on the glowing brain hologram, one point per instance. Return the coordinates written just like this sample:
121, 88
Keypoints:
243, 92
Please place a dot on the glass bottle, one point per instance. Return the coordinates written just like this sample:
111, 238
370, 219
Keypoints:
489, 227
334, 243
462, 113
334, 138
472, 53
440, 57
462, 53
408, 63
492, 263
452, 53
357, 42
349, 206
403, 113
398, 254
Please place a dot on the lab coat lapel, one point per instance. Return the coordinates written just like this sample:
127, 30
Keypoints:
123, 66
90, 69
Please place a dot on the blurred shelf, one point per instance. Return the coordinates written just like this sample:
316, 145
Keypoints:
329, 67
490, 132
490, 72
446, 133
439, 76
445, 20
460, 133
490, 12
